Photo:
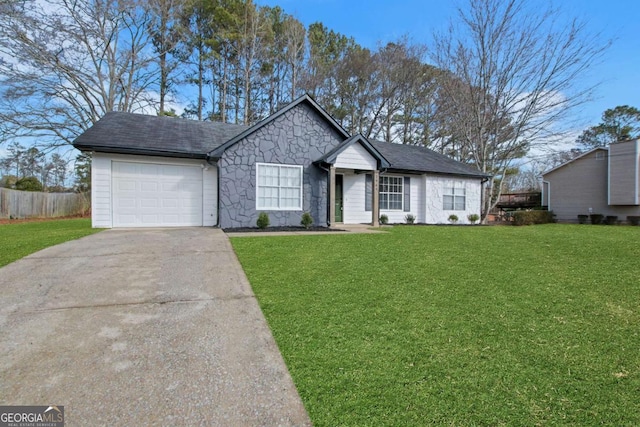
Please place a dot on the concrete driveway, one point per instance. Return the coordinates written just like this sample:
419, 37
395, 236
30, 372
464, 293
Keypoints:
142, 327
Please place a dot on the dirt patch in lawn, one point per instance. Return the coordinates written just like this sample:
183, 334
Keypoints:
4, 221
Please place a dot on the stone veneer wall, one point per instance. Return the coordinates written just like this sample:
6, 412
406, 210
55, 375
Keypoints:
298, 137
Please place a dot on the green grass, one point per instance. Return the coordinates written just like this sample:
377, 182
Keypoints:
467, 326
21, 239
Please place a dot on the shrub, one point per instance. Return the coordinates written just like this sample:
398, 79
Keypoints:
8, 181
582, 219
596, 219
633, 220
307, 220
263, 220
473, 218
409, 219
531, 217
384, 219
29, 183
611, 219
453, 218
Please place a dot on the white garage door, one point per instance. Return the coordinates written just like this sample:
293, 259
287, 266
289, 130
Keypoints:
156, 195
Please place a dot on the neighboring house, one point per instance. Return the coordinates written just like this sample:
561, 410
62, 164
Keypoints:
601, 181
152, 171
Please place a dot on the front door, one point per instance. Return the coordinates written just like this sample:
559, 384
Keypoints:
339, 217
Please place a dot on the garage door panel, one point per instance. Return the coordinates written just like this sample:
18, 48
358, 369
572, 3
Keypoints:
190, 186
169, 203
180, 172
154, 195
149, 203
192, 217
127, 218
170, 186
172, 171
125, 185
149, 218
148, 169
126, 202
188, 205
149, 186
124, 168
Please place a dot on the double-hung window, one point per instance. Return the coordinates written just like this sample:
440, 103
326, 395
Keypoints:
391, 193
279, 187
454, 199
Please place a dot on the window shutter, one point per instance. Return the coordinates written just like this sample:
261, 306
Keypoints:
368, 196
407, 194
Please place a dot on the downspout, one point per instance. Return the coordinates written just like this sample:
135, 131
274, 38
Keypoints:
548, 196
208, 159
328, 189
485, 179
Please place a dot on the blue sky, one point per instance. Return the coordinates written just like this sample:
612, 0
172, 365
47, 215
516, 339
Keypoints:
373, 21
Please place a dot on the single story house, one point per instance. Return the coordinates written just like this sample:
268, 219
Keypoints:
604, 180
150, 171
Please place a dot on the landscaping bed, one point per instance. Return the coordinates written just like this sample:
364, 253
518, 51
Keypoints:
276, 229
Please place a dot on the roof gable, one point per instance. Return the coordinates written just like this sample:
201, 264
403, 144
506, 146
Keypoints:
574, 159
331, 156
305, 99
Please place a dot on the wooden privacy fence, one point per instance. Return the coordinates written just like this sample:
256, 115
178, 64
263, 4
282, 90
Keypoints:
34, 204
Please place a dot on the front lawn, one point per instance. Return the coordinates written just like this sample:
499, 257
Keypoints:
24, 238
456, 326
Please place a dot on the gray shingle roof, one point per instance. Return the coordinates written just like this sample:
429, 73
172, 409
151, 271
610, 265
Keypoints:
128, 133
412, 158
141, 134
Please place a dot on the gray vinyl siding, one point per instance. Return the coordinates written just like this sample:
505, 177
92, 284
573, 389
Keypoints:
623, 173
580, 185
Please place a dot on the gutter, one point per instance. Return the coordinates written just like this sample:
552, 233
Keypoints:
141, 152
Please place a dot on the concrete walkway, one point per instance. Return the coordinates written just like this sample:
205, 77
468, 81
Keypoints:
142, 327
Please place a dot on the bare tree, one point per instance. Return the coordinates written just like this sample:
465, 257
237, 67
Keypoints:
166, 32
405, 91
515, 72
65, 63
254, 30
294, 34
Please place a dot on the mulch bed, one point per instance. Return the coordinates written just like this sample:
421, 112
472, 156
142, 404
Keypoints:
274, 229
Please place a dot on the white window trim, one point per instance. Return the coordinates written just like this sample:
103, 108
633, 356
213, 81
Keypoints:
401, 193
270, 208
447, 193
